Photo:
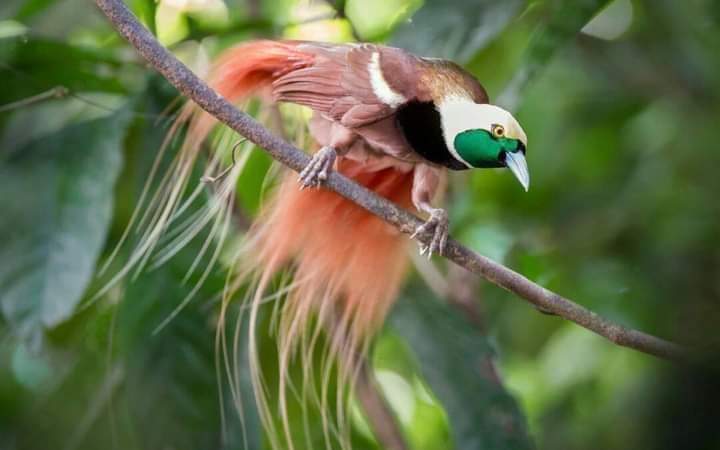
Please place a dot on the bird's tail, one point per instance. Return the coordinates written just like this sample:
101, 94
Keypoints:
347, 264
347, 268
160, 219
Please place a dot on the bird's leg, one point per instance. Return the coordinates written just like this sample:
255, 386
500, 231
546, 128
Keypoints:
340, 139
438, 225
318, 169
427, 181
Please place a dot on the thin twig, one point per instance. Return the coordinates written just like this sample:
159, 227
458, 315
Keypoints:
56, 92
195, 89
379, 414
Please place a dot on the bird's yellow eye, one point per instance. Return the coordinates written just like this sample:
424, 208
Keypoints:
498, 131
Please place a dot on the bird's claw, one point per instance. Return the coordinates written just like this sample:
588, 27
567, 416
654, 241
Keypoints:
318, 169
438, 224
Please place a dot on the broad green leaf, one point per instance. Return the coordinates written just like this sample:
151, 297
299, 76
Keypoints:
57, 193
77, 69
129, 386
31, 371
553, 25
502, 43
11, 28
32, 121
612, 22
252, 181
424, 421
31, 8
145, 11
171, 381
455, 29
458, 363
564, 20
374, 19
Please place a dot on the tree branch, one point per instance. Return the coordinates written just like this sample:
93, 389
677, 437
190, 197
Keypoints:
195, 89
379, 414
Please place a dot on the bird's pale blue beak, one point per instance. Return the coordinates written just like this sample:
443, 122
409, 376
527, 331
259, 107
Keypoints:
518, 166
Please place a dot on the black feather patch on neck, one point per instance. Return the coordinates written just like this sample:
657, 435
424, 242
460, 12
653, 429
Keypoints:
421, 124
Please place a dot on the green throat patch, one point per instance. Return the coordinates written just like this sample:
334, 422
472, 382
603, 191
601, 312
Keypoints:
480, 149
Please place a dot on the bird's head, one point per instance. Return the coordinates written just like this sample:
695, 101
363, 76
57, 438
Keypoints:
483, 135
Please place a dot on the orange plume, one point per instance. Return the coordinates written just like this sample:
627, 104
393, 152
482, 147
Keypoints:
347, 263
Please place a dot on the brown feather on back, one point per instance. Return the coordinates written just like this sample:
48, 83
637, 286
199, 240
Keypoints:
337, 84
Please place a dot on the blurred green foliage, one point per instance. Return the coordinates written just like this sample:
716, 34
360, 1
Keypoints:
620, 102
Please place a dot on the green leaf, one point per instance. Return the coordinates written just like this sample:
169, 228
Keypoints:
133, 387
504, 44
78, 69
171, 381
31, 371
57, 193
455, 29
373, 19
11, 28
458, 363
565, 20
554, 24
31, 8
145, 11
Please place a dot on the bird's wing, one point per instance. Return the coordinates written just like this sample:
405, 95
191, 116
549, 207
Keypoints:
353, 84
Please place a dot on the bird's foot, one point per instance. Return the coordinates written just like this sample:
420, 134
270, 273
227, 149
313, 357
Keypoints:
438, 224
318, 169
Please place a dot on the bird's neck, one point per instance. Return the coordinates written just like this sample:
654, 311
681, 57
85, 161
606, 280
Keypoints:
457, 113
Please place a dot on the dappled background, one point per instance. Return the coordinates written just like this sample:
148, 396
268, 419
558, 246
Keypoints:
620, 100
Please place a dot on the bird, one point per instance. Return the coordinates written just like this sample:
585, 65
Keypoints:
394, 122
